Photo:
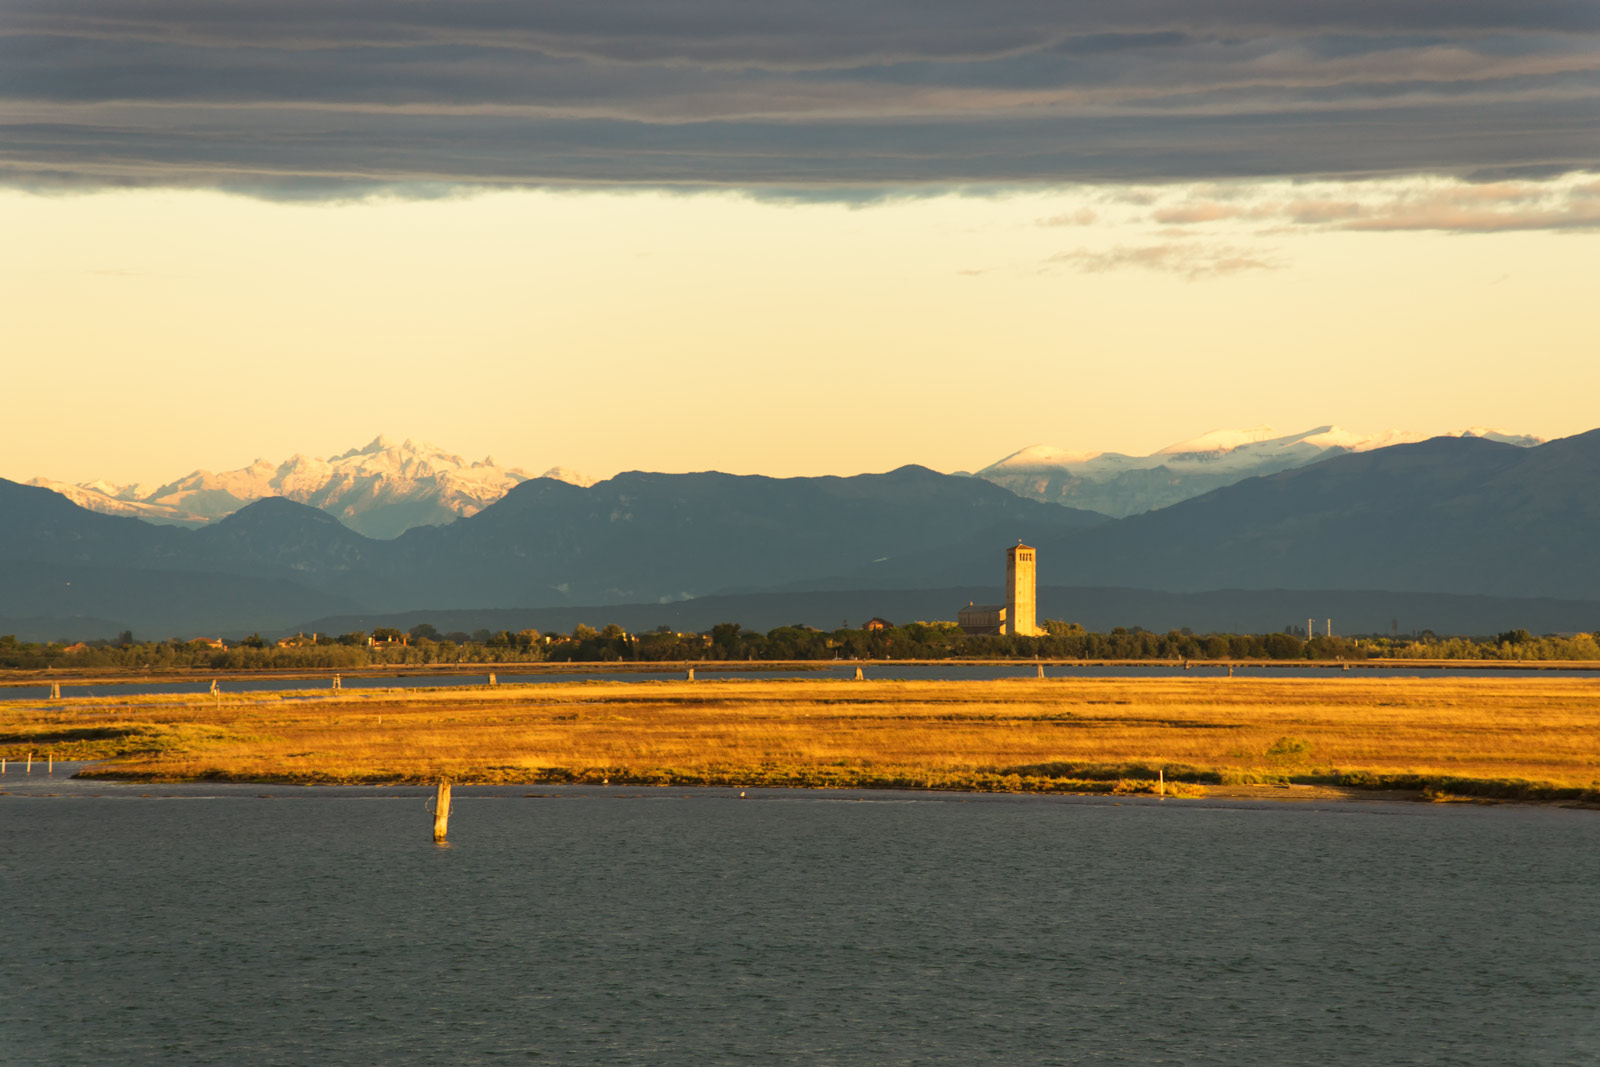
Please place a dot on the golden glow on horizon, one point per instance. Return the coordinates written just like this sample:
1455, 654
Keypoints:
150, 332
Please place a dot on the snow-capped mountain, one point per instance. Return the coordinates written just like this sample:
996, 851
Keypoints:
1118, 485
381, 490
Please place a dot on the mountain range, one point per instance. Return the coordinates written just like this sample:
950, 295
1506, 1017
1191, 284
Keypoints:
1119, 485
1463, 517
381, 490
386, 488
635, 537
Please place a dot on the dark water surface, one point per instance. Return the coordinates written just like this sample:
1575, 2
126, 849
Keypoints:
928, 672
157, 925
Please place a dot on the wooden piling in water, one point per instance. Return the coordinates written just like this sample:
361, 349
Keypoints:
441, 810
50, 768
55, 690
859, 676
338, 683
690, 677
491, 678
1161, 781
1041, 670
30, 763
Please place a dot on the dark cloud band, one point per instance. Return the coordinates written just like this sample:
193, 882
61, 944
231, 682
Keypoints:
284, 97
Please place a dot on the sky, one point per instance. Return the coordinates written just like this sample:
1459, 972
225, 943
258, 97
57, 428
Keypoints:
796, 238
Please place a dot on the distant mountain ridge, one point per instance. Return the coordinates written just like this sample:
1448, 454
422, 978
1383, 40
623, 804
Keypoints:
1120, 485
1454, 516
636, 537
1464, 515
380, 490
384, 488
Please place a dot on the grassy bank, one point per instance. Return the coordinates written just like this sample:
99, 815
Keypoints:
1525, 738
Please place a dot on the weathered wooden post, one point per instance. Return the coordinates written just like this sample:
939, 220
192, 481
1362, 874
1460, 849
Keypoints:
1041, 671
30, 762
50, 768
491, 678
859, 676
214, 689
441, 810
690, 678
338, 683
55, 690
2, 766
1161, 781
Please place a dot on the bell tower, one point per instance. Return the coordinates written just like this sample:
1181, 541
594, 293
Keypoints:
1020, 586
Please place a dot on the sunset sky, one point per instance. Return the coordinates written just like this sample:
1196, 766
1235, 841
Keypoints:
791, 238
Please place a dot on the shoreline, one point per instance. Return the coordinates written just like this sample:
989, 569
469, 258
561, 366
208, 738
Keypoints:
154, 675
1433, 792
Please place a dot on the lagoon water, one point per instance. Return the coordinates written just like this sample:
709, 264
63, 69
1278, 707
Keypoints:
272, 925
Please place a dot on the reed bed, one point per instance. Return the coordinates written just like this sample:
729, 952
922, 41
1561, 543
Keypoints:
1535, 738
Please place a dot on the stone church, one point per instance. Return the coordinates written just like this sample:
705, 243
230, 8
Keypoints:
1016, 616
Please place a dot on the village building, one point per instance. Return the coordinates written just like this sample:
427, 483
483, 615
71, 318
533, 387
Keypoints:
979, 619
876, 623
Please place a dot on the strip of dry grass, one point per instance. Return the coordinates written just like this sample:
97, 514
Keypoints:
1533, 737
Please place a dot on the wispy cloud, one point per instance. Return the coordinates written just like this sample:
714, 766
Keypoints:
1189, 259
1082, 217
1568, 203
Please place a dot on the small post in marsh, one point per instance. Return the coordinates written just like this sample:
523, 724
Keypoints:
30, 762
55, 690
50, 768
859, 676
441, 810
690, 677
491, 678
214, 689
338, 684
1041, 672
1161, 781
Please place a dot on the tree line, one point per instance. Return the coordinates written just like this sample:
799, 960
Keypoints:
423, 644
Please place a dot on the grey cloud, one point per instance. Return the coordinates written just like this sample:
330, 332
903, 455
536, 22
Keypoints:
818, 98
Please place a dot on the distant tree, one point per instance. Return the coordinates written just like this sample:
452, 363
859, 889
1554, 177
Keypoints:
425, 629
725, 640
1059, 628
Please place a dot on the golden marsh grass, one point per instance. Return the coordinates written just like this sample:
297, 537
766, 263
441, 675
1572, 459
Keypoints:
1056, 734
